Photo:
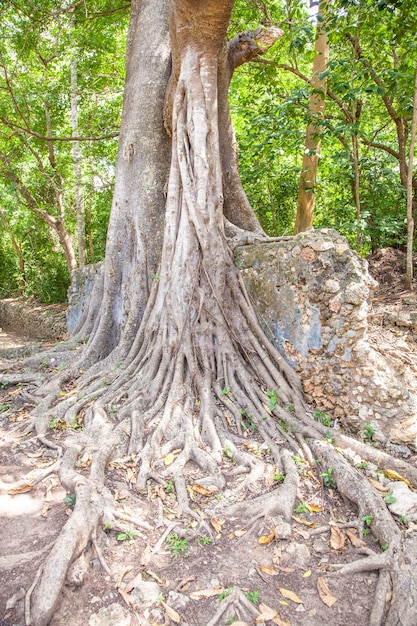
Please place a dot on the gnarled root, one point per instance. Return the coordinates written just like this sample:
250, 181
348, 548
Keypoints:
398, 562
91, 500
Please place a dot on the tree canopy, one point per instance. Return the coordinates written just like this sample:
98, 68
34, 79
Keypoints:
361, 179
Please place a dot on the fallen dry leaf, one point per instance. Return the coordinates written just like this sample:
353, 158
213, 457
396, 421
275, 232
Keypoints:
45, 510
337, 537
354, 540
307, 574
325, 594
394, 476
170, 458
314, 508
217, 525
304, 522
17, 490
267, 539
266, 613
206, 593
290, 595
160, 581
86, 459
377, 485
131, 475
204, 491
34, 455
269, 570
237, 533
172, 614
125, 597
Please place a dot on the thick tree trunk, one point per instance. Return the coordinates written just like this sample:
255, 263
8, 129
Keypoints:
135, 230
410, 218
306, 190
76, 157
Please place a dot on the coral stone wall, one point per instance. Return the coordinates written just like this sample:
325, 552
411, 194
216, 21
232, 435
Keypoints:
313, 295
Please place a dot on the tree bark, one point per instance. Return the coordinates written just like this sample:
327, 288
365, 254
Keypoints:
134, 239
306, 190
408, 282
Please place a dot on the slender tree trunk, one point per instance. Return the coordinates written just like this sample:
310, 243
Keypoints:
19, 253
76, 157
410, 219
58, 186
306, 190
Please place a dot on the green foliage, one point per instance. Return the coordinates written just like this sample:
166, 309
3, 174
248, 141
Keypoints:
177, 545
328, 478
301, 508
204, 540
253, 596
323, 418
269, 107
70, 500
390, 498
127, 535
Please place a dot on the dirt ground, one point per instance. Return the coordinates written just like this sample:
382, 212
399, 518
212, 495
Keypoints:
165, 572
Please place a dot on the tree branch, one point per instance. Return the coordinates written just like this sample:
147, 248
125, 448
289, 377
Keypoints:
250, 44
33, 133
288, 68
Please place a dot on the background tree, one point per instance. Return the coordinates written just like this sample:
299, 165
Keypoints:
316, 107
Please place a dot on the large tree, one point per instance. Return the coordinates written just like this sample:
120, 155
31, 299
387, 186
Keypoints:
176, 352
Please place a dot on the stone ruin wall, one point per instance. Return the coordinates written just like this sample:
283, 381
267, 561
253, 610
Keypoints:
313, 295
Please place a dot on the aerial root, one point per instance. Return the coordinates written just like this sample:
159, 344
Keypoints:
398, 563
279, 501
91, 501
241, 606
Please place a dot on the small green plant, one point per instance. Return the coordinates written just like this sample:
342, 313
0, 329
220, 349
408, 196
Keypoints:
253, 596
283, 425
301, 508
290, 408
226, 592
329, 437
322, 417
155, 276
4, 407
177, 545
369, 431
385, 547
272, 399
225, 391
204, 540
112, 412
170, 486
227, 452
43, 362
4, 384
362, 465
279, 477
368, 519
70, 500
247, 423
328, 478
403, 520
128, 534
390, 498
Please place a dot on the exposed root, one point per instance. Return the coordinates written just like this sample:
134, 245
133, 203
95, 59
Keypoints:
235, 605
399, 558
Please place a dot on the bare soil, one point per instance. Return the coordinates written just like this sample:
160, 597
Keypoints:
269, 561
